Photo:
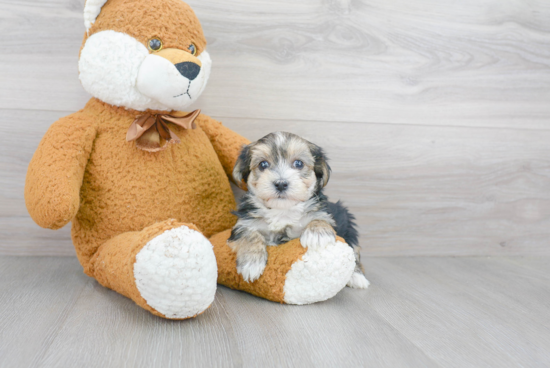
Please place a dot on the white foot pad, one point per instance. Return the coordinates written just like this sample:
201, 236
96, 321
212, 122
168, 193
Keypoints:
358, 281
176, 273
320, 274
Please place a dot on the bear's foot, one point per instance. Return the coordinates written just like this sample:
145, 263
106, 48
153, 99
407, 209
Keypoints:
176, 273
320, 274
293, 274
168, 268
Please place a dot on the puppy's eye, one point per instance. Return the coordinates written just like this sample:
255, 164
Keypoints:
263, 165
298, 164
155, 44
193, 49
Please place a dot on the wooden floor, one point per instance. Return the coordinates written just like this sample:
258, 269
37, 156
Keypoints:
418, 312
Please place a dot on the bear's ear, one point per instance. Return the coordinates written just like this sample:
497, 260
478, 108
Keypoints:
91, 12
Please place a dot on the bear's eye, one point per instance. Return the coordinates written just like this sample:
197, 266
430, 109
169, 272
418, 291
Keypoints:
193, 49
263, 165
155, 44
298, 164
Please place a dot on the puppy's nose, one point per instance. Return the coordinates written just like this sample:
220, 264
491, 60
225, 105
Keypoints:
281, 185
188, 69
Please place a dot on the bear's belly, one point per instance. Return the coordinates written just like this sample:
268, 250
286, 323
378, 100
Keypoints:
126, 189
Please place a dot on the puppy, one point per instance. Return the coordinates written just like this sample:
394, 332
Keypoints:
285, 176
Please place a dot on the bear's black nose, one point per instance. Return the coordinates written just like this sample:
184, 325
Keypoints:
188, 69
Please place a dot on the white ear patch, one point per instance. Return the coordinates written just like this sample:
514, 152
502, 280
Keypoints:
91, 12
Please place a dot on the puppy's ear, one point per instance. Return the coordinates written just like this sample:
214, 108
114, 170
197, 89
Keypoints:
242, 167
320, 167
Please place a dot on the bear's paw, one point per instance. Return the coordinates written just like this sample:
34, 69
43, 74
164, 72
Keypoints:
176, 273
320, 274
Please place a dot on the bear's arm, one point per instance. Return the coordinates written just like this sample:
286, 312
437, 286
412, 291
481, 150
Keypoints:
56, 171
226, 142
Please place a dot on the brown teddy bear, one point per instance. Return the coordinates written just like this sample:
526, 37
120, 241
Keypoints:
145, 184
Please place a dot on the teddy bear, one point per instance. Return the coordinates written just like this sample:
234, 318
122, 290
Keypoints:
146, 184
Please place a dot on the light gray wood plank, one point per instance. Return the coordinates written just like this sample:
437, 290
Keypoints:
335, 333
466, 312
427, 62
36, 296
21, 236
418, 312
416, 190
106, 329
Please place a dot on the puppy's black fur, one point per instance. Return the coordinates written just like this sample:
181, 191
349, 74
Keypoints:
345, 222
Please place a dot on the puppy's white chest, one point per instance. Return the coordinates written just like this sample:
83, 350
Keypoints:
279, 220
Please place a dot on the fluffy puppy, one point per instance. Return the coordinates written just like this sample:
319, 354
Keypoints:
285, 176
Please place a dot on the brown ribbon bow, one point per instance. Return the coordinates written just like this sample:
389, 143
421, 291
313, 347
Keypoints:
150, 130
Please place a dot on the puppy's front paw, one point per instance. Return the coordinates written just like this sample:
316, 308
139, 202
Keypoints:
251, 265
317, 235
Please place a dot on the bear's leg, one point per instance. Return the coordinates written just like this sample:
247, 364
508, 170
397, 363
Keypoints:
168, 268
293, 274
